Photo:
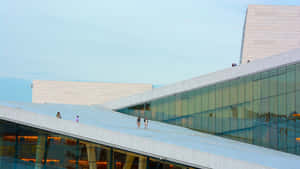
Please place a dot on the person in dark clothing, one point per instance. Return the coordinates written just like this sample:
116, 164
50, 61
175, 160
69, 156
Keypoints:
58, 115
146, 122
138, 121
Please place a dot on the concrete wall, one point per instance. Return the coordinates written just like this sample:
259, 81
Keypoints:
270, 30
84, 93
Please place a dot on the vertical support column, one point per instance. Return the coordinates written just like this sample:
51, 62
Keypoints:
45, 152
1, 145
40, 151
16, 149
128, 162
109, 159
147, 163
1, 150
91, 156
142, 162
77, 153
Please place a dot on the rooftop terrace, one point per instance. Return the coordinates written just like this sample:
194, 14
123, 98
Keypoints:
160, 140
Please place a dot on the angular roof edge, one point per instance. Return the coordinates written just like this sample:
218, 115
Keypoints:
169, 152
231, 73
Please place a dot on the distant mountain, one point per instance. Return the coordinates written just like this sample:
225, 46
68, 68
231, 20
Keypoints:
12, 89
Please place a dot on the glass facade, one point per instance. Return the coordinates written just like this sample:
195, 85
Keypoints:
23, 147
261, 109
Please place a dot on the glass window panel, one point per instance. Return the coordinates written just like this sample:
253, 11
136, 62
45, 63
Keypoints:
211, 121
172, 107
218, 96
233, 92
154, 109
249, 121
204, 113
249, 114
93, 156
291, 111
234, 117
291, 103
185, 98
282, 106
282, 122
205, 99
148, 110
298, 76
257, 122
256, 86
297, 121
191, 102
225, 94
264, 108
165, 108
282, 80
197, 121
241, 117
8, 144
157, 164
298, 102
273, 81
249, 89
64, 150
178, 107
264, 119
123, 159
241, 91
264, 84
291, 78
273, 109
159, 113
212, 97
191, 108
219, 121
204, 121
198, 101
226, 119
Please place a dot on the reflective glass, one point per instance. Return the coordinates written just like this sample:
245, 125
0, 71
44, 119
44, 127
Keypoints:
262, 108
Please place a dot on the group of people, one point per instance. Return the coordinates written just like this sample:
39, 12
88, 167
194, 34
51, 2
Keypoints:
58, 115
138, 122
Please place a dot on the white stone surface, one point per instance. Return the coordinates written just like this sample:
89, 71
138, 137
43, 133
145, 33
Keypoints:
270, 30
258, 65
83, 93
161, 140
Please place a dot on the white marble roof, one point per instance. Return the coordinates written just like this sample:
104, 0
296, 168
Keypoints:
161, 140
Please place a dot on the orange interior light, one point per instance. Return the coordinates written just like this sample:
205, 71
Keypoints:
296, 115
33, 160
85, 162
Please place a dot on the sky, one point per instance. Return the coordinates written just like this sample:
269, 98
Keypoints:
133, 41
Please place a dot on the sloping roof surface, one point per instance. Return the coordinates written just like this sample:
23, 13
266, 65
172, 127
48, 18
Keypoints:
161, 140
258, 65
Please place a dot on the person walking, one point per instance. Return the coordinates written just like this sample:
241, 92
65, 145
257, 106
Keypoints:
146, 122
58, 115
77, 119
138, 121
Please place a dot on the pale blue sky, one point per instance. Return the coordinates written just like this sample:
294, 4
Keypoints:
157, 41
